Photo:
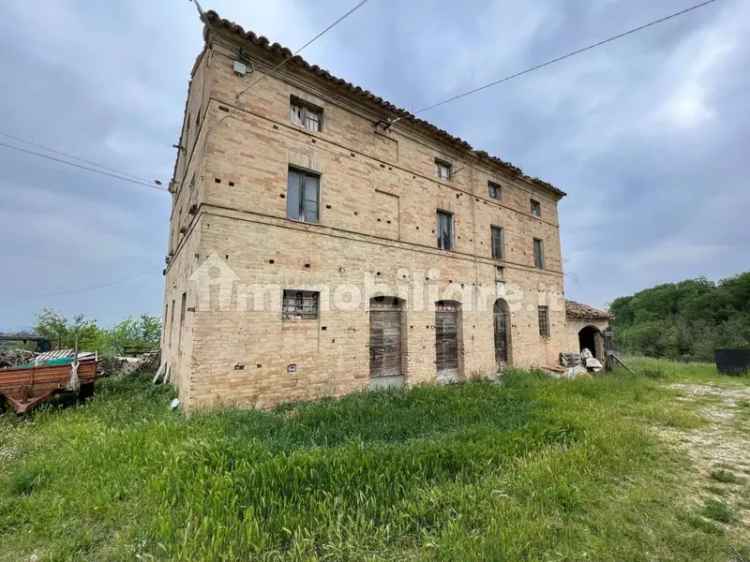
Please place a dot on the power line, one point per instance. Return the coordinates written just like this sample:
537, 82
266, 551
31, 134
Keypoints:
72, 156
87, 168
310, 42
560, 58
93, 287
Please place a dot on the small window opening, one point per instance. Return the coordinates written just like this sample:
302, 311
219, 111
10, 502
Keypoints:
444, 230
544, 321
300, 305
536, 208
538, 253
303, 196
306, 115
443, 169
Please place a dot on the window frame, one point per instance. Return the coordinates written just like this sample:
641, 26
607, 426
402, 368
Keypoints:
451, 230
538, 256
498, 253
302, 211
543, 321
496, 188
289, 312
536, 208
306, 110
441, 164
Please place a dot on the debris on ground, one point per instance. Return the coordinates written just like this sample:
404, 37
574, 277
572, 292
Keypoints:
15, 357
591, 363
568, 360
126, 365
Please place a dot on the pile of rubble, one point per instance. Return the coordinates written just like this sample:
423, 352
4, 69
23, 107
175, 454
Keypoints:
15, 357
578, 364
123, 365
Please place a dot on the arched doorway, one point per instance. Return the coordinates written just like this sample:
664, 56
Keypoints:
448, 340
386, 342
590, 337
502, 334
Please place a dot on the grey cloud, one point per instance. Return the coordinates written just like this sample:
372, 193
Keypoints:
648, 135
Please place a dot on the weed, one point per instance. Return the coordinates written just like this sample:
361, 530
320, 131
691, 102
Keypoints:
726, 477
533, 468
718, 511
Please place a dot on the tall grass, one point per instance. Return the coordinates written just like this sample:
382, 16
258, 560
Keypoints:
531, 469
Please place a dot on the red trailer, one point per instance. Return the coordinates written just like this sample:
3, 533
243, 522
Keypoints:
54, 373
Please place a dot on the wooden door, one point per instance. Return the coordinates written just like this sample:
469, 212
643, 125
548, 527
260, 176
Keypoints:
386, 357
446, 341
501, 335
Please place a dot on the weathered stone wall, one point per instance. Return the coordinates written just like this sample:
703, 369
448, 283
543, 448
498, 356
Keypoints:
378, 200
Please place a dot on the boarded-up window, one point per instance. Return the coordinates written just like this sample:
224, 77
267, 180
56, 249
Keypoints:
443, 169
305, 115
536, 208
497, 242
538, 253
300, 305
544, 321
303, 194
494, 190
385, 207
444, 230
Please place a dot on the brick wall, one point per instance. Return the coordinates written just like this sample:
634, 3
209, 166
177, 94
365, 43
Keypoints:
379, 194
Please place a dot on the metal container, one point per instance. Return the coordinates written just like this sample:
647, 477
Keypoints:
732, 361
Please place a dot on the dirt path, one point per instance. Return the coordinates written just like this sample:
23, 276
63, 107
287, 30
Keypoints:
720, 454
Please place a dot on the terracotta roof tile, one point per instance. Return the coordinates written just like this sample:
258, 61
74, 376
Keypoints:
212, 18
585, 312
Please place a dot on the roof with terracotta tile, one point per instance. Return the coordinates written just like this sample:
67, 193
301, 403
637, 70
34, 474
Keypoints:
212, 18
585, 312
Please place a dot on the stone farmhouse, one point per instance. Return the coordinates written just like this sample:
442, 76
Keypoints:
323, 241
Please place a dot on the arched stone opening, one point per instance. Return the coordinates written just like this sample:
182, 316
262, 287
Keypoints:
591, 338
503, 355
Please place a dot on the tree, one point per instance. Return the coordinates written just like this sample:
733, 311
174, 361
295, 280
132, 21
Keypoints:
689, 319
142, 333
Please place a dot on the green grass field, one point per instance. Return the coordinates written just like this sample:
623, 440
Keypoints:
533, 469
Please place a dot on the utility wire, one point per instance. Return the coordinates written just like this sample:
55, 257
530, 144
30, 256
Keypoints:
93, 287
310, 42
73, 157
82, 167
560, 58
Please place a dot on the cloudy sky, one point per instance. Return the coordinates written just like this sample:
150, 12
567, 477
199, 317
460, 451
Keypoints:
648, 135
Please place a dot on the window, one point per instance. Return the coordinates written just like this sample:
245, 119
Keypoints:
171, 324
183, 308
538, 253
544, 321
300, 305
165, 323
443, 169
494, 190
444, 230
536, 208
303, 191
306, 115
497, 242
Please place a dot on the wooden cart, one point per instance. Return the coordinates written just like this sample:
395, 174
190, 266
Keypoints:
28, 386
